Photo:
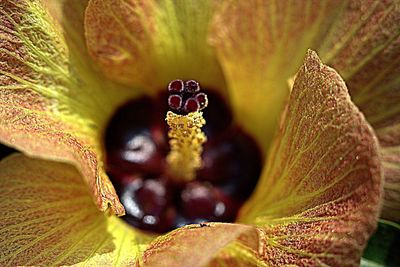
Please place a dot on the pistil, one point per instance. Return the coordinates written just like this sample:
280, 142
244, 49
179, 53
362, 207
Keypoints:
185, 121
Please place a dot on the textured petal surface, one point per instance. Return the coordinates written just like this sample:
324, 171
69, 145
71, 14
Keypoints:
360, 39
152, 42
195, 245
47, 217
260, 45
52, 103
389, 138
364, 47
318, 199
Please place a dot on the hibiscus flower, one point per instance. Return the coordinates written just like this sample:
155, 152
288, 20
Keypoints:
66, 66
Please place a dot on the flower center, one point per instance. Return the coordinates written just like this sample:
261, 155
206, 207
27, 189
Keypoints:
164, 186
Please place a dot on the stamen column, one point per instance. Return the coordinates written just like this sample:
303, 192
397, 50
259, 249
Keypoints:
186, 138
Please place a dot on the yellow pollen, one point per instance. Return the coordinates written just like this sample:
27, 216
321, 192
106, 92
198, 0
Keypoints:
186, 144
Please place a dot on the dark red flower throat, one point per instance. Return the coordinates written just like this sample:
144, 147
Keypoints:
136, 143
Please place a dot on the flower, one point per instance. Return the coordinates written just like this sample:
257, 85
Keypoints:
317, 200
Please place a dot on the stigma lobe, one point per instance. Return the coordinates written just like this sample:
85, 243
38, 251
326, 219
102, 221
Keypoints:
176, 86
192, 86
175, 102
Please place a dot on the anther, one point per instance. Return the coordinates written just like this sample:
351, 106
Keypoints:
176, 86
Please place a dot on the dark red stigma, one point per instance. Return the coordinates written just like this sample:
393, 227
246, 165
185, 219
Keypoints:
192, 86
176, 86
185, 97
175, 102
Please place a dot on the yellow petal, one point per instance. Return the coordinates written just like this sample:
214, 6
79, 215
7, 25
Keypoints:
238, 254
389, 138
366, 55
260, 45
47, 217
117, 35
151, 43
195, 245
363, 46
318, 199
52, 102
